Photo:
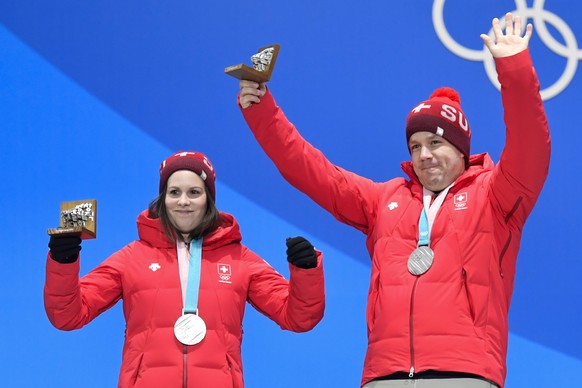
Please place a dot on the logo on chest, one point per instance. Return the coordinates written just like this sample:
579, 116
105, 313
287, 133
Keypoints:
154, 267
224, 273
460, 201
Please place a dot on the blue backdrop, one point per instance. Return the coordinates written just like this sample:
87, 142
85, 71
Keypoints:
94, 94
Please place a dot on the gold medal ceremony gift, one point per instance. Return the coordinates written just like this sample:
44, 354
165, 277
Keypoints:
263, 65
77, 218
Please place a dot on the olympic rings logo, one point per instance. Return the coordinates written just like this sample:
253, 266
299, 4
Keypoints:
540, 17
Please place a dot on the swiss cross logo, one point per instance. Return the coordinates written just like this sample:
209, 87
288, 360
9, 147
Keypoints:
420, 107
461, 201
224, 273
224, 269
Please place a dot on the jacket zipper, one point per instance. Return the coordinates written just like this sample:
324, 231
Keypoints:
411, 327
185, 373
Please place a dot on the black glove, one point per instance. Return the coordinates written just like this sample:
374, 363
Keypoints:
301, 253
65, 249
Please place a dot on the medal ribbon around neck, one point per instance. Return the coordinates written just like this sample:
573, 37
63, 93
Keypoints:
422, 257
193, 287
190, 329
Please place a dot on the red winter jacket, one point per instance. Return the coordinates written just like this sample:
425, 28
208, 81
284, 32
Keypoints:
454, 317
145, 275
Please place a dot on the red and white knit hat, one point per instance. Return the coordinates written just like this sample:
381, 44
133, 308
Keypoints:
194, 161
442, 115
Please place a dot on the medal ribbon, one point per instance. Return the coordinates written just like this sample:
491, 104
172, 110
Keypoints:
428, 214
423, 230
194, 269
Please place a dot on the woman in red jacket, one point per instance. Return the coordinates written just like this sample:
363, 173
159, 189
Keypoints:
184, 285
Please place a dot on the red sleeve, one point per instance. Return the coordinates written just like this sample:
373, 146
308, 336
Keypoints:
296, 305
524, 162
348, 197
72, 302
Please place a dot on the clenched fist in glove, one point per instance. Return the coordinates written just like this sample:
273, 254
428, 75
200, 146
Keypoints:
65, 249
301, 253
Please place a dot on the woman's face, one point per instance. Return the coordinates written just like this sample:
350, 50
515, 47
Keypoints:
186, 200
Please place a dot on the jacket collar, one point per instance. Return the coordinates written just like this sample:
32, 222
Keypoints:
478, 164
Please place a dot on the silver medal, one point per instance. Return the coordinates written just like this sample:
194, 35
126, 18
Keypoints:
190, 329
420, 260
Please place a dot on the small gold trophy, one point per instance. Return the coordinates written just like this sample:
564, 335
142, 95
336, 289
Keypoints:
263, 65
77, 218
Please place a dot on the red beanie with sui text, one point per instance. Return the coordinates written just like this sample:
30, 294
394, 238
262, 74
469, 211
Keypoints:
442, 115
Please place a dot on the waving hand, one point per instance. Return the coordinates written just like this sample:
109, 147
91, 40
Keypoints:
510, 43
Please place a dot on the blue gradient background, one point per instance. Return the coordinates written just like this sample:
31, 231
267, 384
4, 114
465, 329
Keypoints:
93, 95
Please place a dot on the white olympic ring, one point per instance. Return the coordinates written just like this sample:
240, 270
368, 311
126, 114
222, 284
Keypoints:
540, 17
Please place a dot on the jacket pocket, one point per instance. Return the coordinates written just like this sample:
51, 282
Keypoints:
373, 292
137, 369
468, 296
232, 371
475, 313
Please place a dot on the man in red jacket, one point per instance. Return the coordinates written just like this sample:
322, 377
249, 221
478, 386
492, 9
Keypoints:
444, 242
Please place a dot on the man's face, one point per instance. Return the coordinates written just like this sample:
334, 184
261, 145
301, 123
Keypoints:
436, 162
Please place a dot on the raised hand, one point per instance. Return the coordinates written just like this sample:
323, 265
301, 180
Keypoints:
301, 253
511, 42
65, 249
251, 93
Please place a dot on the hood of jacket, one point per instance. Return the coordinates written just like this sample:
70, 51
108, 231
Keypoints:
151, 231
